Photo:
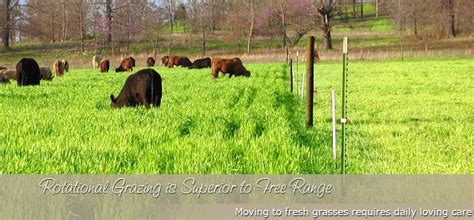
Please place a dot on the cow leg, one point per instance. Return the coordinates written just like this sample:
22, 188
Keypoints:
215, 72
157, 100
142, 100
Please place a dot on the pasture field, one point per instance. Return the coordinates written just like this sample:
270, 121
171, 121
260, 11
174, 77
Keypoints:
410, 117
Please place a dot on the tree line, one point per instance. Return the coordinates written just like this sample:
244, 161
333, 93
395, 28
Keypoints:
117, 23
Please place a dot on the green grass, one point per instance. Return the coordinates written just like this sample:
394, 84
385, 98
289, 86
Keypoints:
368, 24
406, 117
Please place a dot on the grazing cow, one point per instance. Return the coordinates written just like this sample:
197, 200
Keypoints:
201, 63
96, 60
164, 60
125, 65
141, 88
104, 66
46, 73
2, 68
4, 79
59, 67
150, 62
10, 74
178, 61
231, 66
28, 72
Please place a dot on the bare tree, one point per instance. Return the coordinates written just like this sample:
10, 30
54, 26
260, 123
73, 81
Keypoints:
252, 25
326, 12
397, 12
170, 6
108, 14
354, 3
282, 5
377, 8
152, 27
8, 6
79, 16
449, 6
199, 17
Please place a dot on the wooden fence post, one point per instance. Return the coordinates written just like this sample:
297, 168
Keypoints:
310, 82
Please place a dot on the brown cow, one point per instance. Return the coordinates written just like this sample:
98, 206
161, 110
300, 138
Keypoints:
104, 66
231, 66
125, 65
59, 67
150, 62
4, 79
178, 61
10, 74
2, 68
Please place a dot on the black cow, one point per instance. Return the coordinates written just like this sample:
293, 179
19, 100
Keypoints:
201, 63
28, 72
141, 88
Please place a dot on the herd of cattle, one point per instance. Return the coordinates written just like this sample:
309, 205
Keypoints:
233, 67
141, 88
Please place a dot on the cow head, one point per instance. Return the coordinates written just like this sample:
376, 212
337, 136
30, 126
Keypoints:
247, 73
164, 60
66, 65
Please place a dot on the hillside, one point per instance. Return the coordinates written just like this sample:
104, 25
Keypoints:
370, 39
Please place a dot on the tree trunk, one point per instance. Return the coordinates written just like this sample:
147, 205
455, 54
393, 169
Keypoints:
452, 20
108, 6
328, 40
52, 29
171, 24
361, 8
400, 28
203, 41
155, 48
82, 25
325, 15
415, 26
64, 30
376, 8
213, 17
354, 2
6, 26
283, 25
346, 13
252, 17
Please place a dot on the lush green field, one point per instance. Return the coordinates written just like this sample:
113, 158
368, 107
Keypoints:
406, 117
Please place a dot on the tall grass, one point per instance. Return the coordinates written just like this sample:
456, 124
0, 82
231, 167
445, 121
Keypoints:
406, 117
